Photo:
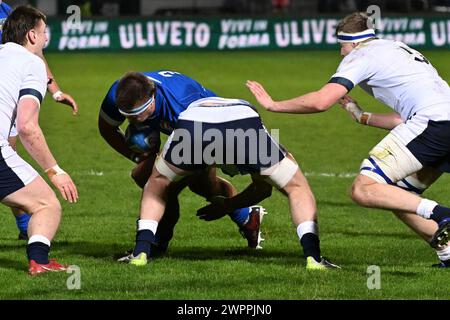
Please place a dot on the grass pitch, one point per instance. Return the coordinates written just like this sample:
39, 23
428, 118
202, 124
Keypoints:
208, 260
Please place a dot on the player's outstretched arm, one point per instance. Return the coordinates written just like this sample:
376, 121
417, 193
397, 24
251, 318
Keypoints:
56, 92
313, 102
379, 120
256, 192
34, 142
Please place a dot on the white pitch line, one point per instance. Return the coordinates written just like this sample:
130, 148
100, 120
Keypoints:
307, 174
331, 175
89, 173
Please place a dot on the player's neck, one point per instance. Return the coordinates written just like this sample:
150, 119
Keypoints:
33, 49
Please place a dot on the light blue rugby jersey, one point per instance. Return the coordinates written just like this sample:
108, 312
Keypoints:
174, 93
5, 11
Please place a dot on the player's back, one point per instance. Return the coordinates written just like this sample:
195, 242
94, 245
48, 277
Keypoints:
175, 92
16, 64
178, 89
401, 77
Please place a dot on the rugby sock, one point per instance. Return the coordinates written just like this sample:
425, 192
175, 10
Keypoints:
240, 216
440, 213
425, 208
145, 236
309, 239
444, 256
22, 222
38, 248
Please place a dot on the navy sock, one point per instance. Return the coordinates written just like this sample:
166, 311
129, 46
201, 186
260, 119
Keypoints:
144, 238
22, 222
440, 213
240, 216
446, 263
38, 252
311, 246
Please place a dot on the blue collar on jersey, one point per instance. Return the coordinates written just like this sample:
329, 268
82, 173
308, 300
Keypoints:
355, 37
138, 110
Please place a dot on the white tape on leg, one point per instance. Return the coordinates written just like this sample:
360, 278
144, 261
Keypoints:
281, 173
165, 170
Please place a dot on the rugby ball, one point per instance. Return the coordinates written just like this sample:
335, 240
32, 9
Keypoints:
141, 138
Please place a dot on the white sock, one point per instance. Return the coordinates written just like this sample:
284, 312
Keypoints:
425, 208
444, 254
151, 225
307, 227
39, 238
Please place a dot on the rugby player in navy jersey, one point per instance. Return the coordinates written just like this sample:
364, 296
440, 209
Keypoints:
128, 98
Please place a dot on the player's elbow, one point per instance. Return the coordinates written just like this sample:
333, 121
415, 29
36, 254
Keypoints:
263, 189
25, 129
104, 128
322, 102
267, 191
321, 106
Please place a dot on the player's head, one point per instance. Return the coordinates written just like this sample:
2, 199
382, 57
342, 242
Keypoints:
353, 29
26, 26
135, 96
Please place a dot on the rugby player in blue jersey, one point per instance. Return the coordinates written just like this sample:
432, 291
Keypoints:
23, 218
173, 92
228, 134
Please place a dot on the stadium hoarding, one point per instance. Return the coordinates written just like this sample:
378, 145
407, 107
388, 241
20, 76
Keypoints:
232, 33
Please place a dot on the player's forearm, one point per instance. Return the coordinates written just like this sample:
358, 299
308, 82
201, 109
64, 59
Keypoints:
386, 121
312, 102
52, 85
256, 192
34, 142
116, 139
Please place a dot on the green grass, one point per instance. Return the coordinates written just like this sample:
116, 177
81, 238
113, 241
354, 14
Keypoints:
208, 260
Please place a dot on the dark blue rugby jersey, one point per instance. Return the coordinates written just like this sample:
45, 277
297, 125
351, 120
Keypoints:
5, 10
174, 93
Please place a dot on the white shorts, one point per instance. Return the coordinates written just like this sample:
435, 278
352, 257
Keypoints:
422, 141
15, 173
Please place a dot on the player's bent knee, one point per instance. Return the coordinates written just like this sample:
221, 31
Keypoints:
360, 193
280, 174
357, 194
48, 204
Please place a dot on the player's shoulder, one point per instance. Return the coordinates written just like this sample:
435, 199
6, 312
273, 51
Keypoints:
366, 51
21, 56
110, 98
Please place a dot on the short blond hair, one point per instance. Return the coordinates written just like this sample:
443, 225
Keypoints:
355, 22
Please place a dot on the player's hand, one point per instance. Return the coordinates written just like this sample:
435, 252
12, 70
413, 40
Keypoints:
142, 171
65, 186
216, 210
352, 107
140, 157
261, 95
65, 98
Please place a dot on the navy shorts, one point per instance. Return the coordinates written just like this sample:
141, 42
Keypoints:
432, 147
15, 173
246, 146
